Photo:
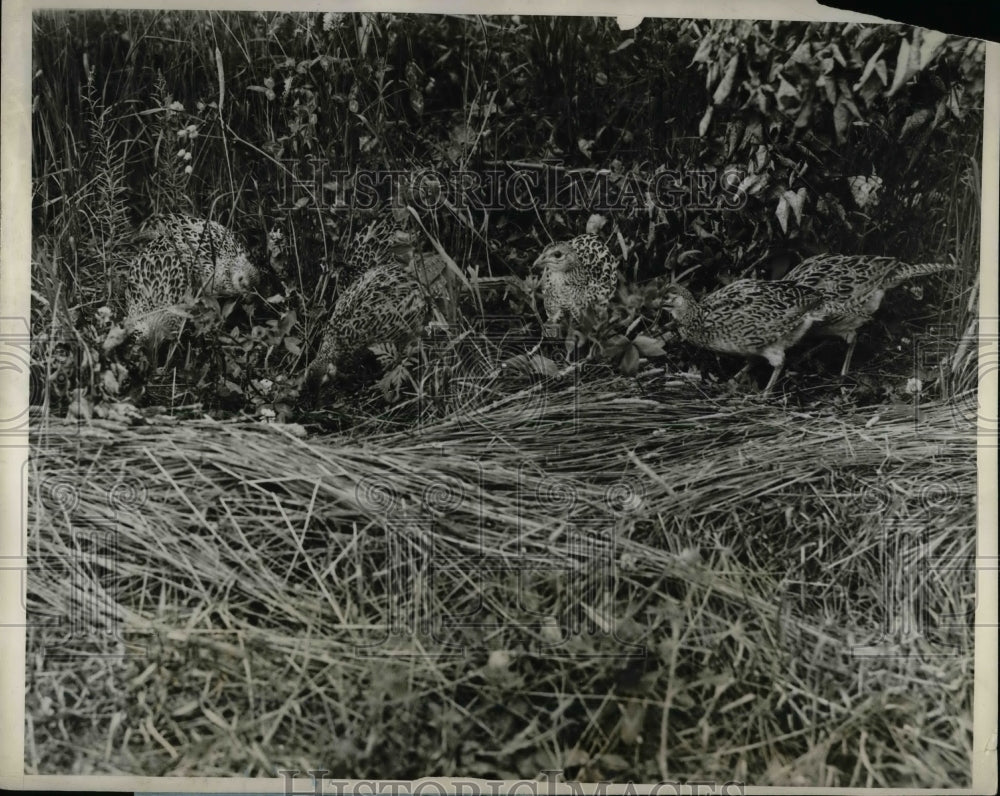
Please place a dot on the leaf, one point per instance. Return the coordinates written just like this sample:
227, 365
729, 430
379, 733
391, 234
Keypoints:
914, 123
913, 58
648, 346
110, 383
220, 73
830, 87
734, 132
544, 365
805, 115
595, 223
704, 48
902, 73
287, 322
932, 41
870, 68
624, 45
726, 84
762, 157
752, 184
841, 121
883, 72
706, 120
803, 54
797, 201
954, 102
782, 213
629, 364
292, 345
786, 92
848, 100
615, 762
615, 345
116, 336
754, 134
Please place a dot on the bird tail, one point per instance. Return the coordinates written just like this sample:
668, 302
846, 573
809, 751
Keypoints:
907, 271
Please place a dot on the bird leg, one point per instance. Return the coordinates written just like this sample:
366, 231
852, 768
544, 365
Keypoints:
774, 377
852, 339
778, 363
742, 370
735, 379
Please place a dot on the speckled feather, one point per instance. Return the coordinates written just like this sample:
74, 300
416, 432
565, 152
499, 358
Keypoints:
379, 242
389, 303
853, 286
182, 257
748, 318
580, 277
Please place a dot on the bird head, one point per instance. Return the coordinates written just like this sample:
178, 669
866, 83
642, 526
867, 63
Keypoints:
559, 257
677, 299
315, 380
245, 275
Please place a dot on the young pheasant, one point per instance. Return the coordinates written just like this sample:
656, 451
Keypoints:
380, 241
578, 280
183, 257
747, 318
388, 303
852, 289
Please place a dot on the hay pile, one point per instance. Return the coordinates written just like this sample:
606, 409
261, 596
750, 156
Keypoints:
586, 580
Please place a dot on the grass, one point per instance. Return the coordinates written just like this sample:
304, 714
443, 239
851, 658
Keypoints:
409, 604
491, 572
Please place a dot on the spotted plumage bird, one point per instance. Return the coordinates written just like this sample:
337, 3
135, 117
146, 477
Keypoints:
746, 317
379, 242
181, 258
390, 303
578, 279
853, 287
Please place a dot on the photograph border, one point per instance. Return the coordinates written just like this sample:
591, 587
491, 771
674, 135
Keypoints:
15, 234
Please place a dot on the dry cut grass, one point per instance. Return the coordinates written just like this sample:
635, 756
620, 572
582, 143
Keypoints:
583, 579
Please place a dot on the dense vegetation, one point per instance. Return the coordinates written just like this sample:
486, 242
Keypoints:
716, 149
767, 562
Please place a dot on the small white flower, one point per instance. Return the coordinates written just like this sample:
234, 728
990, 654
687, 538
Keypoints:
187, 155
595, 223
188, 169
499, 659
913, 386
865, 190
176, 106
